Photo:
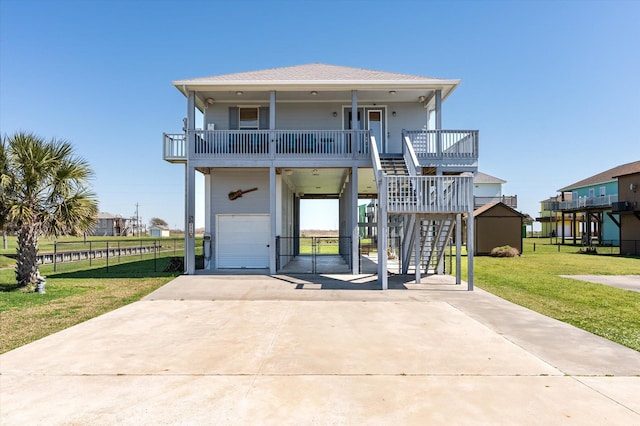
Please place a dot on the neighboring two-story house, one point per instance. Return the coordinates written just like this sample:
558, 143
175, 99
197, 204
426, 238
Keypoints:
273, 137
589, 207
487, 189
628, 209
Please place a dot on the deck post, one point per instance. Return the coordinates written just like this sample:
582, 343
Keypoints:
355, 260
272, 217
438, 123
458, 248
190, 189
417, 240
354, 123
383, 231
470, 250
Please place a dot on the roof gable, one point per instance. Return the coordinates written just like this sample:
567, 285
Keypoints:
497, 205
485, 178
604, 177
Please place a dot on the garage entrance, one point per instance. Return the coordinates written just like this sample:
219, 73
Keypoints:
243, 240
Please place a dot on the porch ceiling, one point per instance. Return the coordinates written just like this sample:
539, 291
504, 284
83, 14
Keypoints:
386, 95
327, 182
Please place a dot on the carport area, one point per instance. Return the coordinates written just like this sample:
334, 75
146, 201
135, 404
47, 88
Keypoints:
315, 349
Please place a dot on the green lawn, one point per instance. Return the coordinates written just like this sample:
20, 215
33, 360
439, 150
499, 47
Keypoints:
533, 281
77, 292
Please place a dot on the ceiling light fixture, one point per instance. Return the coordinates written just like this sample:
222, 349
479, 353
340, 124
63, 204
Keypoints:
210, 101
239, 93
314, 93
392, 92
422, 98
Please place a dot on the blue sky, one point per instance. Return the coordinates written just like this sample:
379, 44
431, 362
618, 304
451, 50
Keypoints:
553, 86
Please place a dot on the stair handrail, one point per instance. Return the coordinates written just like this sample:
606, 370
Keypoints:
410, 158
375, 158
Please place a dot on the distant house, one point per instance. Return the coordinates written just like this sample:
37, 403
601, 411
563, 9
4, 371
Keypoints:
552, 222
628, 209
159, 231
110, 225
497, 225
593, 197
488, 189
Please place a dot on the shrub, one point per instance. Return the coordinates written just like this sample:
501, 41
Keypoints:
504, 251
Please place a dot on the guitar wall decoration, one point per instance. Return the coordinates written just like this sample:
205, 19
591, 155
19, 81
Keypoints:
237, 194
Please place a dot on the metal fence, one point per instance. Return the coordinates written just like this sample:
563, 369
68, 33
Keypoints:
108, 253
313, 254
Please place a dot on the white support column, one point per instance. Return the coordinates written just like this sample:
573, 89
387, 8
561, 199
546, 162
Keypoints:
470, 250
355, 235
416, 245
208, 222
438, 111
354, 110
458, 248
272, 210
383, 232
190, 189
272, 110
354, 122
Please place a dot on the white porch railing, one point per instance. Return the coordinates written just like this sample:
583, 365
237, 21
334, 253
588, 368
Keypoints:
268, 144
429, 194
583, 202
410, 158
440, 144
509, 200
174, 146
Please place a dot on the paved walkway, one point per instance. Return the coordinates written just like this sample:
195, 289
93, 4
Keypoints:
320, 350
625, 282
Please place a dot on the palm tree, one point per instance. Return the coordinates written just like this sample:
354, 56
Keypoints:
44, 192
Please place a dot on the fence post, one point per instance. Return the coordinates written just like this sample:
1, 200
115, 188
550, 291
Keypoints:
55, 256
107, 256
90, 253
155, 257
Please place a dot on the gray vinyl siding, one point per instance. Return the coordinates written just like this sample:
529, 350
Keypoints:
319, 116
308, 116
226, 180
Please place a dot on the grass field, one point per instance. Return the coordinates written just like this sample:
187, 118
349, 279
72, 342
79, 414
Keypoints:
77, 291
533, 281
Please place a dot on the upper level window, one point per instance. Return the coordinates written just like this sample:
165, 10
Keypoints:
592, 192
602, 191
248, 118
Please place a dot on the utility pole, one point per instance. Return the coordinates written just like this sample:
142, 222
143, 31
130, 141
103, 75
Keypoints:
137, 220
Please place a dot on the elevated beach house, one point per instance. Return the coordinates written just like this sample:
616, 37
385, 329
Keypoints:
271, 138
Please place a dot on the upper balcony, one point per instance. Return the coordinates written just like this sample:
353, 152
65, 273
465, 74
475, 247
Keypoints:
442, 147
509, 200
582, 203
445, 148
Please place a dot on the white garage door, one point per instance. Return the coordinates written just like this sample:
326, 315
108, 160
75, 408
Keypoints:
243, 240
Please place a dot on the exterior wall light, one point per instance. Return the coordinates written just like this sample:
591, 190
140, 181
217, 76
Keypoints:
393, 113
633, 187
422, 98
335, 114
210, 101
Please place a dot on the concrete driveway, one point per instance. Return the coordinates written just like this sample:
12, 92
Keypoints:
319, 350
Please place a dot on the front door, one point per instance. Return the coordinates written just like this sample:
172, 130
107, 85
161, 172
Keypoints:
374, 118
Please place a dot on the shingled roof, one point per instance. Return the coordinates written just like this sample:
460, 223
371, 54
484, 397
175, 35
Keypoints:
604, 177
307, 73
485, 178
